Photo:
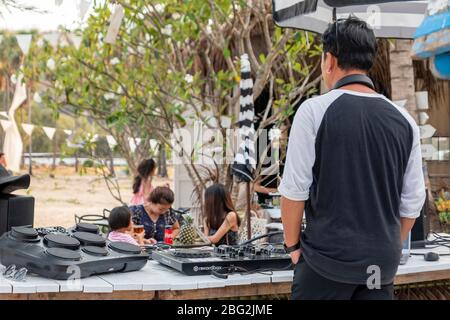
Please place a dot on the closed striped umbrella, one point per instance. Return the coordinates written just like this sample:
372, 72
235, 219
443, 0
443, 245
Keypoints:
389, 19
244, 163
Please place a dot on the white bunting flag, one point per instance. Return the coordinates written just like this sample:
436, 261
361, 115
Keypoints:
68, 132
37, 98
427, 131
76, 40
28, 128
400, 103
50, 132
83, 7
114, 25
24, 41
6, 124
153, 144
134, 143
111, 141
52, 38
4, 114
423, 118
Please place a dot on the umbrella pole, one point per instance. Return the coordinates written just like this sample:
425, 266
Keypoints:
249, 231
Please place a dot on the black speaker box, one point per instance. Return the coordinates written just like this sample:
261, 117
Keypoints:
421, 227
15, 211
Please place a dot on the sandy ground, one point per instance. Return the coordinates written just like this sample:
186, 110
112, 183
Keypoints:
64, 193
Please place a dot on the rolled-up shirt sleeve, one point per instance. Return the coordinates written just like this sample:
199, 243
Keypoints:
297, 175
413, 190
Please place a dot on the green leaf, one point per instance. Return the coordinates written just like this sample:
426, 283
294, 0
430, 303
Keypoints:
262, 58
226, 53
181, 120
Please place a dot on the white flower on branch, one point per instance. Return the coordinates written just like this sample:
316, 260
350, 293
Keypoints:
141, 50
37, 98
274, 134
40, 43
58, 85
119, 90
167, 30
176, 16
188, 78
159, 7
114, 61
109, 96
14, 78
51, 64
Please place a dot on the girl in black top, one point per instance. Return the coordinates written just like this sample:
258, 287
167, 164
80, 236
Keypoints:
155, 214
221, 221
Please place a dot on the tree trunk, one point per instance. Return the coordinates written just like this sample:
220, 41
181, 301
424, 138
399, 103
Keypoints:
402, 75
111, 164
162, 163
76, 161
403, 88
55, 146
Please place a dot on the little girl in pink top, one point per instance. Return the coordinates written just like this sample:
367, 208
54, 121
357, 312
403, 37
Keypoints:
122, 227
142, 184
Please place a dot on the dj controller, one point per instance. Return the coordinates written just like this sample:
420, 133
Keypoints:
225, 259
60, 253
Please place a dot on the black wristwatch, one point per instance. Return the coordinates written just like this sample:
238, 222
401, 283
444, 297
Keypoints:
292, 248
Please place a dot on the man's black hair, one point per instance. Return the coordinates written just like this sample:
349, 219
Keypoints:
353, 43
119, 218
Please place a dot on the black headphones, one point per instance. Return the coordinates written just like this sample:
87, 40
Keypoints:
355, 78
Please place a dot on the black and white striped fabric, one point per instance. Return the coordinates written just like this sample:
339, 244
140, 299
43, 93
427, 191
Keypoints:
244, 162
389, 19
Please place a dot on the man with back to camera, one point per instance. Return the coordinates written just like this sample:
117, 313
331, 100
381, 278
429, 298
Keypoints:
354, 165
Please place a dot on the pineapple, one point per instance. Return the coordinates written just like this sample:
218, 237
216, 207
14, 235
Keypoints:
187, 234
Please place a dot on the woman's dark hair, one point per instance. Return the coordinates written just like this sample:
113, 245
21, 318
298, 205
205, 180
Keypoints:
119, 218
352, 42
217, 205
161, 195
145, 168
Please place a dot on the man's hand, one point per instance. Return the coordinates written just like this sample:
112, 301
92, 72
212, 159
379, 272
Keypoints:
292, 216
406, 224
295, 256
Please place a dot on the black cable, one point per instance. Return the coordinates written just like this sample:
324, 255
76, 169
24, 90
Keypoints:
243, 271
261, 236
439, 237
422, 254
